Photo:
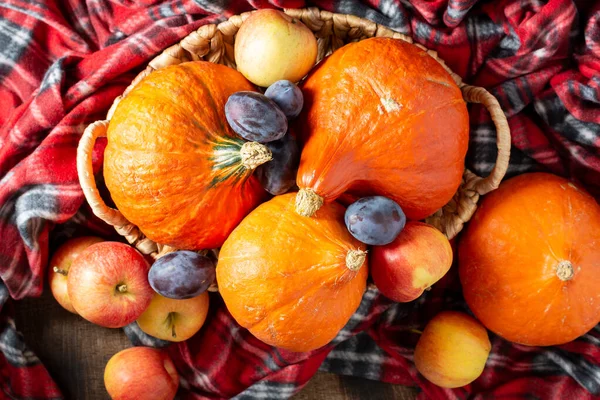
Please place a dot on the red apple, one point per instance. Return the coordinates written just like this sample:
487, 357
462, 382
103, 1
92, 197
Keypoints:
452, 350
174, 320
141, 373
59, 266
108, 284
419, 257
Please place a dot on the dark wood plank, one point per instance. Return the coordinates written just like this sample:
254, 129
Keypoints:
363, 389
76, 352
334, 387
322, 386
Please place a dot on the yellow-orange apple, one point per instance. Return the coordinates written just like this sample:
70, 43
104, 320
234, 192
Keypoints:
419, 257
59, 266
141, 373
108, 284
452, 350
174, 320
271, 46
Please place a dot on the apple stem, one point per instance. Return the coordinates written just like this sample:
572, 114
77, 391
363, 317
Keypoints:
416, 331
171, 321
122, 288
59, 271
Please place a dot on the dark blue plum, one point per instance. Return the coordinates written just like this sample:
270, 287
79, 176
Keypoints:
182, 274
255, 117
278, 176
287, 96
375, 220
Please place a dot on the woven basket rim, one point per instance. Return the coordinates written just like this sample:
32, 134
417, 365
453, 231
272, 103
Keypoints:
214, 43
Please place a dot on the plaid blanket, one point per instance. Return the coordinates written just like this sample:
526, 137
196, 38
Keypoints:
62, 62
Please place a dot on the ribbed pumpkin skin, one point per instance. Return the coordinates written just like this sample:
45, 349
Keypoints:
382, 117
509, 254
172, 163
284, 277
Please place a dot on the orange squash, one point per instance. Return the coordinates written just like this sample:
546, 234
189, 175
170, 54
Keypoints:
529, 261
382, 117
172, 164
293, 282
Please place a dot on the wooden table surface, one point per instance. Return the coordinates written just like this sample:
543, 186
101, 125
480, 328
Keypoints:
76, 351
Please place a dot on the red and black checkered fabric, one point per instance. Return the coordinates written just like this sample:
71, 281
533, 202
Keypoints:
62, 62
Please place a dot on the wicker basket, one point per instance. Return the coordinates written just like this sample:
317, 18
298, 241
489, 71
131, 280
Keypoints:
215, 43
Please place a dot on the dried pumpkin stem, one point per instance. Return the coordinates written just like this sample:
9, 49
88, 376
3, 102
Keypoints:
355, 259
565, 271
254, 154
308, 202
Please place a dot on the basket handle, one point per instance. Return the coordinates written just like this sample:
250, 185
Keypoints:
474, 94
109, 215
452, 217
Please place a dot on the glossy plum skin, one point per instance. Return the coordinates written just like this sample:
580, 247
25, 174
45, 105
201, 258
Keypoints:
278, 176
255, 117
182, 274
287, 96
375, 220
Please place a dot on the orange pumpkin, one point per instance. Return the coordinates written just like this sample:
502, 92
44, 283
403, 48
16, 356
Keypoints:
382, 117
293, 282
530, 261
172, 164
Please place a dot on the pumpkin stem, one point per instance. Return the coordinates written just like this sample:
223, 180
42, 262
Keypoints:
355, 259
254, 154
60, 271
565, 271
308, 202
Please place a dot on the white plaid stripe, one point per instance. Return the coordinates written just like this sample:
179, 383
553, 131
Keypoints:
268, 390
14, 40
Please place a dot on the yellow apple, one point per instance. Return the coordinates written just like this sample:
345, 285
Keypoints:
453, 350
271, 46
174, 320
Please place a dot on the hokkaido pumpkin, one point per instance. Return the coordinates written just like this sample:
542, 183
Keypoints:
172, 164
529, 261
293, 282
382, 117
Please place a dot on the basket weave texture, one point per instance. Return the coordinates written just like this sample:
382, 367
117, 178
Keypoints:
215, 43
